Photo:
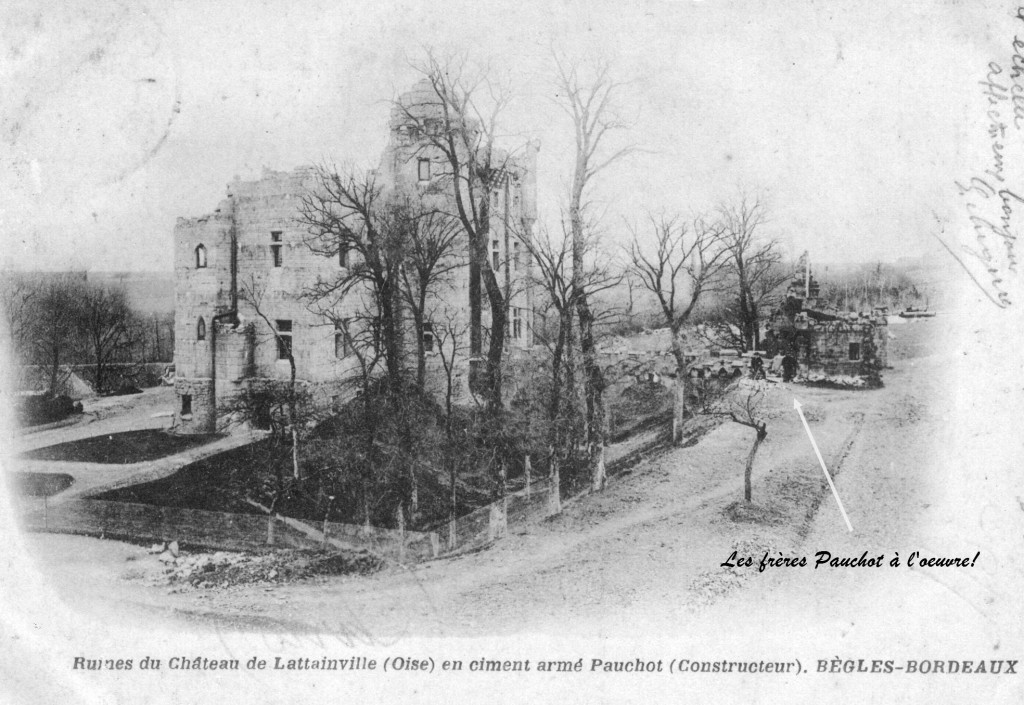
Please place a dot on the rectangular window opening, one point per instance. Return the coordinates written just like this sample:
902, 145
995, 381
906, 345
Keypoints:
428, 337
495, 255
342, 347
424, 169
275, 247
517, 323
284, 339
854, 351
186, 404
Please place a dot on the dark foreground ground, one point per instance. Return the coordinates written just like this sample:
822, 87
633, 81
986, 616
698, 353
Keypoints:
121, 448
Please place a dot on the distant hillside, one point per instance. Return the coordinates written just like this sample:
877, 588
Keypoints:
149, 292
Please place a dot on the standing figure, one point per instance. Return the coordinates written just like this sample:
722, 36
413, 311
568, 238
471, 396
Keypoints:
757, 367
788, 367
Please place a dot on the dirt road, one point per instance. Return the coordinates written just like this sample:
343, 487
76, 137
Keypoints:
153, 408
646, 552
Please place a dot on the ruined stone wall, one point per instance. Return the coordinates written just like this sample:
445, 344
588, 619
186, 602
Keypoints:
513, 212
201, 292
831, 347
263, 207
262, 215
253, 211
234, 361
202, 418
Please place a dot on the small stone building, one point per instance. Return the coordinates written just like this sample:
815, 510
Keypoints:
253, 241
825, 340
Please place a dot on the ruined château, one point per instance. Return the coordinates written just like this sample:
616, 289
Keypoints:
825, 340
223, 347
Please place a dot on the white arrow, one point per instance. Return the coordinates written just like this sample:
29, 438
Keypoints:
797, 405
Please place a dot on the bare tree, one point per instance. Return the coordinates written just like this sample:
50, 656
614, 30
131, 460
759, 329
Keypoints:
746, 403
552, 272
361, 342
395, 254
556, 275
685, 263
266, 406
106, 323
590, 105
449, 333
154, 334
430, 259
252, 292
755, 266
348, 217
18, 297
56, 326
873, 285
459, 118
628, 314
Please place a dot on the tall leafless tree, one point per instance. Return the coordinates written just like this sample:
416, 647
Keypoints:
252, 293
107, 327
429, 261
754, 265
349, 217
555, 274
396, 252
590, 104
17, 300
56, 326
685, 263
552, 272
360, 341
449, 333
459, 117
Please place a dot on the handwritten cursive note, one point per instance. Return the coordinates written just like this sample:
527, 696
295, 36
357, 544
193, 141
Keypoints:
991, 198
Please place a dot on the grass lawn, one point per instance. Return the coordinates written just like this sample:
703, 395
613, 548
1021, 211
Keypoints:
222, 482
212, 484
122, 448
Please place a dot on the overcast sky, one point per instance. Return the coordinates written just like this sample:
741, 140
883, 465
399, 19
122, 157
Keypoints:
852, 119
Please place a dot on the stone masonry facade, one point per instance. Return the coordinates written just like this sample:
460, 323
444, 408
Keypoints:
254, 242
828, 341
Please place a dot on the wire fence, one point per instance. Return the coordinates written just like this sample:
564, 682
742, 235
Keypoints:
539, 499
252, 532
218, 530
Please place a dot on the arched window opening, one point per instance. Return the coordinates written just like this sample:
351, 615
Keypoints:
201, 329
201, 257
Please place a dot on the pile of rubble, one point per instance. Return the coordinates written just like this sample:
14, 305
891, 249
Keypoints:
222, 569
817, 378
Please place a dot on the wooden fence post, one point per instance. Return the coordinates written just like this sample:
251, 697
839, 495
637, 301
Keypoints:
497, 523
554, 490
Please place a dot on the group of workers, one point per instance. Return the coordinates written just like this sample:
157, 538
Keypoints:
789, 368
